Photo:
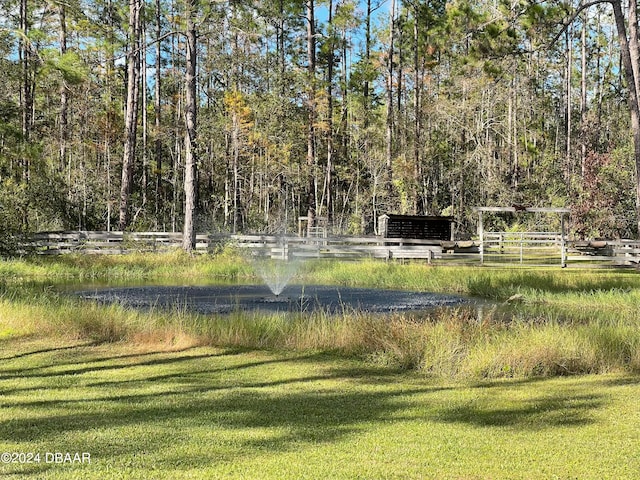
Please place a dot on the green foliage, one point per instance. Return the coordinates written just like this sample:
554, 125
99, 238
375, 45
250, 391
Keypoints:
601, 212
69, 65
489, 113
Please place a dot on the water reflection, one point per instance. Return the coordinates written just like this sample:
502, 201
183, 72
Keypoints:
294, 298
226, 295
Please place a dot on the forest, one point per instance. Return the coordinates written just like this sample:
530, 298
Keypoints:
243, 115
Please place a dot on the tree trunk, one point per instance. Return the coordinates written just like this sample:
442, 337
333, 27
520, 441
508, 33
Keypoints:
281, 53
27, 96
63, 92
110, 107
583, 96
399, 139
629, 50
235, 167
311, 153
329, 173
131, 118
25, 59
389, 111
159, 202
236, 69
189, 237
630, 56
145, 128
568, 109
176, 181
417, 128
28, 82
345, 135
633, 43
367, 59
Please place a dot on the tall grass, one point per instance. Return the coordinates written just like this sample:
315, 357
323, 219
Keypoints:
227, 263
51, 314
566, 322
455, 344
445, 343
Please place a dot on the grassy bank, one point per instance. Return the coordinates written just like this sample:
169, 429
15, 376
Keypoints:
228, 263
462, 393
142, 412
231, 264
560, 322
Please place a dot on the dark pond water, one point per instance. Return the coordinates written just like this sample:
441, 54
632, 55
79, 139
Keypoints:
208, 299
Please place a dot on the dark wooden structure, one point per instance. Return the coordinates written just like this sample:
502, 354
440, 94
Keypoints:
419, 227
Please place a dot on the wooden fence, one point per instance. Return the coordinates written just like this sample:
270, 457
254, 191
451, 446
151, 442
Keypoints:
527, 248
545, 248
99, 242
539, 248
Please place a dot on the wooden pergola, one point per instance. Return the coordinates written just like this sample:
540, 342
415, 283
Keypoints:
563, 212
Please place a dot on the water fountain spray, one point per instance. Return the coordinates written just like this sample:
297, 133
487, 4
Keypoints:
276, 267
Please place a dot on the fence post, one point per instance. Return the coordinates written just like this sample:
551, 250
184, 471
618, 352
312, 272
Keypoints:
481, 235
521, 246
563, 247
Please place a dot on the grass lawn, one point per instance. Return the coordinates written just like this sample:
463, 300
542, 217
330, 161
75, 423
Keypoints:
148, 412
106, 392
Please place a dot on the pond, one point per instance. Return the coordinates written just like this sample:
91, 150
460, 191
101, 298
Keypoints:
209, 299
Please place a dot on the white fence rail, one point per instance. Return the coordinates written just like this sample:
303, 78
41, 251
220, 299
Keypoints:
523, 247
527, 248
98, 242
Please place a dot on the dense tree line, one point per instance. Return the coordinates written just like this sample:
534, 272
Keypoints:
245, 115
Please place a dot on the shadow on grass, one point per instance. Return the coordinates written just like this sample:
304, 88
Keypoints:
193, 381
535, 414
239, 407
38, 372
285, 418
171, 361
47, 350
622, 381
89, 358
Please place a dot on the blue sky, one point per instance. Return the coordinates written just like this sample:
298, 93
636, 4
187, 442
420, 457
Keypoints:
380, 15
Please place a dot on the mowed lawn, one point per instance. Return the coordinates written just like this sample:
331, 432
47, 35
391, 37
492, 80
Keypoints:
200, 412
